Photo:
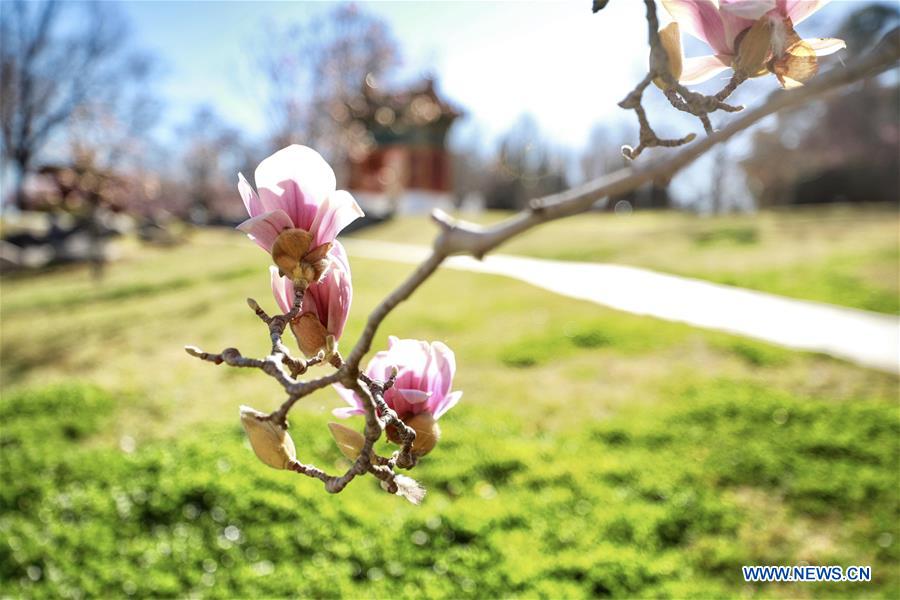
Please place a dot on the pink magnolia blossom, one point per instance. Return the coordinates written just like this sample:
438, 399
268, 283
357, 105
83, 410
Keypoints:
326, 303
720, 23
424, 379
296, 190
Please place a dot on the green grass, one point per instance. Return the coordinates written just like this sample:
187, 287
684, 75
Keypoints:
840, 255
594, 453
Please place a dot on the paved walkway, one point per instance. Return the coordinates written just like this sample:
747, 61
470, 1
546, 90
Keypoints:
866, 338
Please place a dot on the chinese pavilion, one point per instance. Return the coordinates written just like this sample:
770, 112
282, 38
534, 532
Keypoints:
401, 162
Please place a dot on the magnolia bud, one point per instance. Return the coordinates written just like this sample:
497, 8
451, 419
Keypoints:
428, 432
349, 441
670, 38
269, 440
754, 49
310, 333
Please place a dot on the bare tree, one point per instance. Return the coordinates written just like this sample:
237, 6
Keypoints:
52, 71
213, 151
525, 167
603, 152
315, 69
844, 147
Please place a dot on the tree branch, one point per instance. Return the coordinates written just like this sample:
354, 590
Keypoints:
460, 237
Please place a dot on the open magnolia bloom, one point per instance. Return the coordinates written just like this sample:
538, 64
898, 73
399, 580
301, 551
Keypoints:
421, 392
754, 37
326, 302
297, 211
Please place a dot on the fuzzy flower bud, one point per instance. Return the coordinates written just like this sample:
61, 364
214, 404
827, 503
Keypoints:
754, 48
269, 441
349, 441
428, 432
407, 487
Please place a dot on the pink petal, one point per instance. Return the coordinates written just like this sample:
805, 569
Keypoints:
739, 15
701, 19
344, 413
414, 396
800, 10
449, 402
282, 289
747, 9
248, 195
395, 400
329, 299
702, 68
339, 303
339, 255
411, 357
825, 46
354, 404
380, 366
336, 212
297, 180
264, 228
444, 366
315, 303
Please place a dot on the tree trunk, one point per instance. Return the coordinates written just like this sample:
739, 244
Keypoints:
21, 165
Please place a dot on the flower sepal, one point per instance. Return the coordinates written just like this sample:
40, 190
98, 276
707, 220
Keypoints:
292, 255
428, 433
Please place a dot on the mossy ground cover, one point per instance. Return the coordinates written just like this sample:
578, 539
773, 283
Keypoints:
594, 453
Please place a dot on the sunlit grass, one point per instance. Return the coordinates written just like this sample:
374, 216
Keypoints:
841, 255
593, 453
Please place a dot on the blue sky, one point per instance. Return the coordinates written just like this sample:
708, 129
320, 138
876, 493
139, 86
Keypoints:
497, 60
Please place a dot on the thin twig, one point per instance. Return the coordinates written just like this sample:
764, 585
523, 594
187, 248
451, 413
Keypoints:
389, 418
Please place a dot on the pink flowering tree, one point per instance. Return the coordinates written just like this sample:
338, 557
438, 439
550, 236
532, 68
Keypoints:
296, 213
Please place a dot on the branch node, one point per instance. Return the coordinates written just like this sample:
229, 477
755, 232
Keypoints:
442, 219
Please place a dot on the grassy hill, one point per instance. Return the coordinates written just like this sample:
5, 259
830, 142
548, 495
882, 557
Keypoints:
594, 453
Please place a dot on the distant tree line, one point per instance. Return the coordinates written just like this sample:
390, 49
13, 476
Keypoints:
76, 94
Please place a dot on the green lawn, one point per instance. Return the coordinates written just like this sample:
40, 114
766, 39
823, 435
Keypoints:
841, 255
594, 453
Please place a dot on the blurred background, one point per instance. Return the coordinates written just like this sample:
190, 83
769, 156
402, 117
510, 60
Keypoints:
595, 452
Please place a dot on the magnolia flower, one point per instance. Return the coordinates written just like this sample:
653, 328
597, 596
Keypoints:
326, 303
421, 392
269, 441
754, 37
297, 212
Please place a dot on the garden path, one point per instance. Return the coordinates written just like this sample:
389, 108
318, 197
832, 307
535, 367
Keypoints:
867, 338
